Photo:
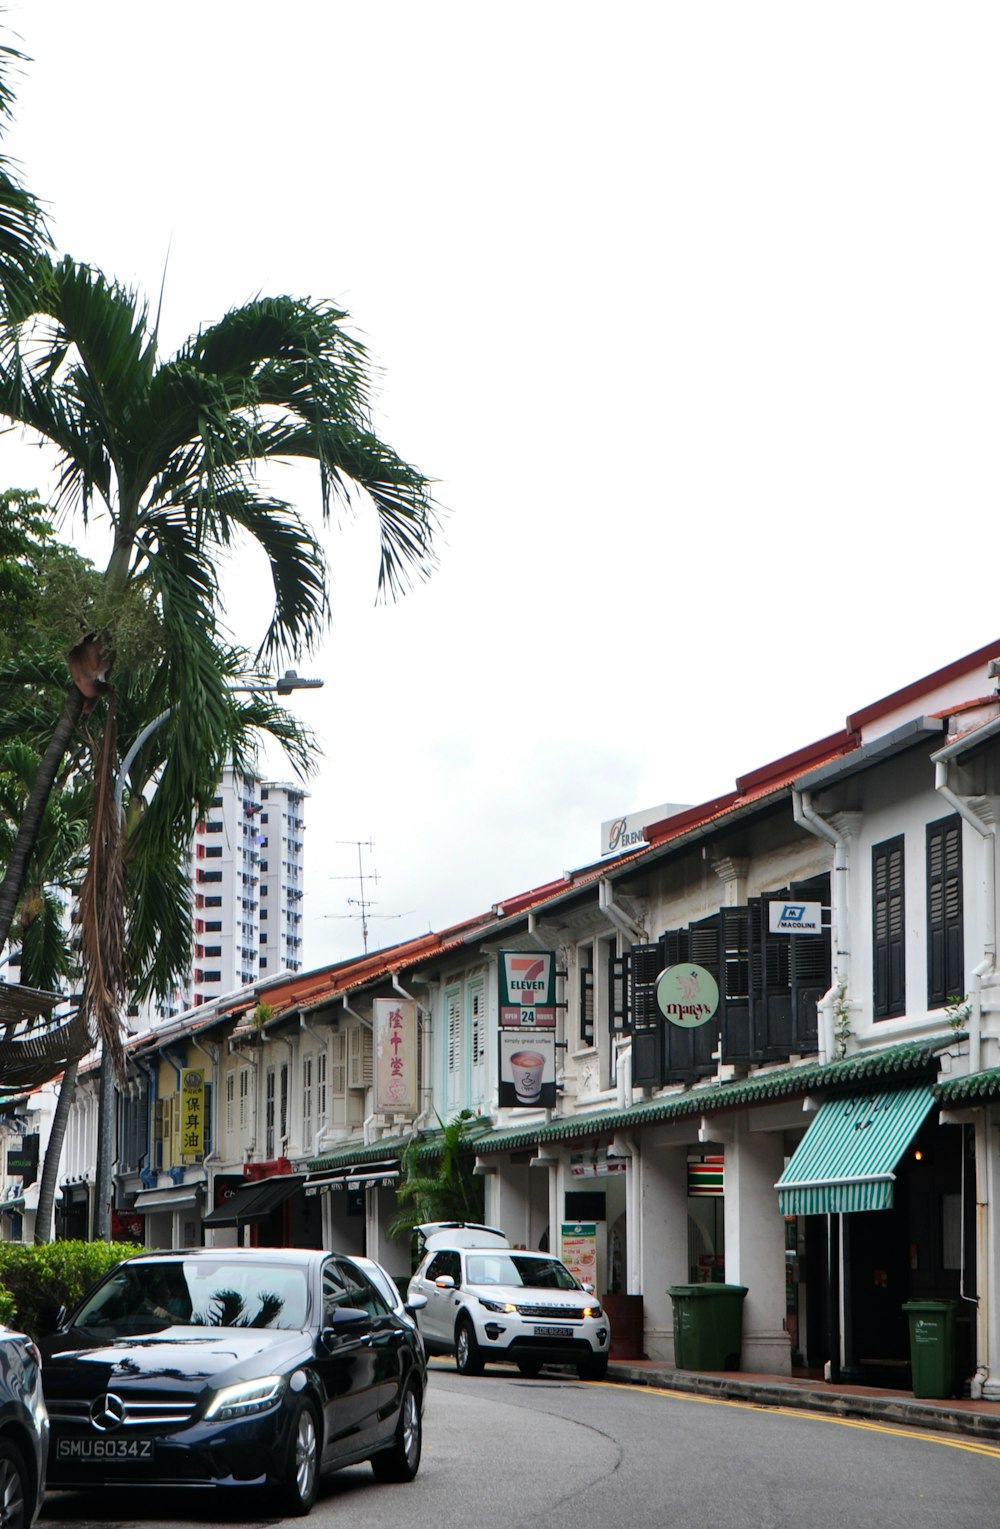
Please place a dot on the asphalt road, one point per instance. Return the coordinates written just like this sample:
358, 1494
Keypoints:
505, 1451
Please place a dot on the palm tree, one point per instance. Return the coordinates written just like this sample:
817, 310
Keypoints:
169, 449
22, 228
144, 954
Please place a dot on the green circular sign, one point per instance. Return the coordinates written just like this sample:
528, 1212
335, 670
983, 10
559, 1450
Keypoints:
687, 995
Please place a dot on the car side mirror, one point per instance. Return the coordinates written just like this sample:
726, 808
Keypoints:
445, 1282
344, 1321
51, 1317
416, 1302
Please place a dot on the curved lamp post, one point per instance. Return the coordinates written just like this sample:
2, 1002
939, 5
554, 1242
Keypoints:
288, 682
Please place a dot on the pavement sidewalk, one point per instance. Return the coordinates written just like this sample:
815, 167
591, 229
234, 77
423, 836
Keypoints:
980, 1419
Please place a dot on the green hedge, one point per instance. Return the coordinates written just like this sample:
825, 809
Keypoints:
33, 1278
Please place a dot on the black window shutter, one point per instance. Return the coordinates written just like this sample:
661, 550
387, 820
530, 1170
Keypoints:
888, 929
734, 983
810, 966
770, 983
945, 956
645, 965
687, 1052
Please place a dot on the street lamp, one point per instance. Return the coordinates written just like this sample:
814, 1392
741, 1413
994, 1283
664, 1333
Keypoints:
287, 682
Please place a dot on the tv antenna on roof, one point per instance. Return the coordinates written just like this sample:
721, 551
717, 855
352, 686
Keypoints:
362, 902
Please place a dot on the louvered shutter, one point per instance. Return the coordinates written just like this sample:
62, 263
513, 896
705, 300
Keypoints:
810, 966
945, 956
619, 1018
690, 1053
771, 993
734, 983
645, 965
888, 929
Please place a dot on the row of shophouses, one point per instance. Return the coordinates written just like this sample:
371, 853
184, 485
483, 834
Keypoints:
760, 1045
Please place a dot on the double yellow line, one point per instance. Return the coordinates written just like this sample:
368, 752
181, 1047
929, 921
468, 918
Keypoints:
926, 1436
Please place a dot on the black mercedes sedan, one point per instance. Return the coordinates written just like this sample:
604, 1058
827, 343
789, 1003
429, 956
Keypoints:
235, 1367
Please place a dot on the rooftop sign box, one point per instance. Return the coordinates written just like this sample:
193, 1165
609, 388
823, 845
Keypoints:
626, 832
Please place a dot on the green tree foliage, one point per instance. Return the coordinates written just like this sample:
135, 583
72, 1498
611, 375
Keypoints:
34, 1279
437, 1182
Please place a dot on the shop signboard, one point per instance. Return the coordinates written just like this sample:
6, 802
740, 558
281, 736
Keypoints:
794, 918
192, 1113
687, 995
527, 989
395, 1027
22, 1158
578, 1243
527, 1069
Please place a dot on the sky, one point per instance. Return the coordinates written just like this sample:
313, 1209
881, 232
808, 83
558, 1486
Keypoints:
690, 311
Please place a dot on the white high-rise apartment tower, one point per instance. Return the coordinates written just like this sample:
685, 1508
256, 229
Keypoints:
247, 885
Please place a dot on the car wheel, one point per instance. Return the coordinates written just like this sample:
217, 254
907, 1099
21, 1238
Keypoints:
14, 1510
530, 1367
402, 1460
594, 1368
300, 1485
468, 1359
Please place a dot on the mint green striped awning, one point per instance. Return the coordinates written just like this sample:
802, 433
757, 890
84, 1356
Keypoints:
846, 1159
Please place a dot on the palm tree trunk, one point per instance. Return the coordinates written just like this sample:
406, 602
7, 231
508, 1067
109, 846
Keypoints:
53, 1155
27, 833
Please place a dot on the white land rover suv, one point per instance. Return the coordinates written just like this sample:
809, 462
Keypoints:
487, 1301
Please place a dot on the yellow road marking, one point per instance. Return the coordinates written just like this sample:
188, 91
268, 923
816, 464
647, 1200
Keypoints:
929, 1436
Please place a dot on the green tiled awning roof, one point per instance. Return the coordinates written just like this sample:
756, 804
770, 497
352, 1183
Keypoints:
973, 1088
911, 1058
846, 1159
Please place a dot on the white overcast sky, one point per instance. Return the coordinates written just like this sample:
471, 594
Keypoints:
690, 309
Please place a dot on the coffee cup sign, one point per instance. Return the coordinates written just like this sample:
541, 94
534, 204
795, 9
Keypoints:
528, 1068
687, 995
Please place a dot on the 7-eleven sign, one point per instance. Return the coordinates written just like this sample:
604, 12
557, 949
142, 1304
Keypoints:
527, 989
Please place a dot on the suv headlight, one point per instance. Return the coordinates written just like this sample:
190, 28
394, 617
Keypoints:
507, 1307
244, 1399
596, 1310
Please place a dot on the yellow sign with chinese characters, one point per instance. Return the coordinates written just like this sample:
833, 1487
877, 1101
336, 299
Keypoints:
192, 1113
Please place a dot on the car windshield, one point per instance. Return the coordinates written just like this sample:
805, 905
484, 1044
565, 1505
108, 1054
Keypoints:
143, 1297
519, 1269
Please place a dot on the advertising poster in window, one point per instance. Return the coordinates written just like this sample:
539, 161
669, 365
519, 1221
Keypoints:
527, 989
578, 1241
395, 1027
527, 1069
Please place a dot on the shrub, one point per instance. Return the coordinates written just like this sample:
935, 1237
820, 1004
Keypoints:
34, 1277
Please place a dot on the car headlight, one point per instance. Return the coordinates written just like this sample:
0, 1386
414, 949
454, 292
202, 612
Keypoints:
245, 1398
593, 1311
507, 1307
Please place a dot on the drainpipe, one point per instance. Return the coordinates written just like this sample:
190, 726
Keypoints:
635, 1259
366, 1125
635, 934
986, 831
808, 818
425, 1049
616, 915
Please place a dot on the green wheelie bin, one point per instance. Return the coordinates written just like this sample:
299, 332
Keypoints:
708, 1326
932, 1347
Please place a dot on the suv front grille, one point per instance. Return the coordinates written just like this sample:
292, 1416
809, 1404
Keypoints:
551, 1313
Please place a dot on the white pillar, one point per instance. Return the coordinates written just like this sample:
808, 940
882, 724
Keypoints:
755, 1244
664, 1209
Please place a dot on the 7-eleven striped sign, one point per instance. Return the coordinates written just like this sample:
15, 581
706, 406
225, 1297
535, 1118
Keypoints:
527, 989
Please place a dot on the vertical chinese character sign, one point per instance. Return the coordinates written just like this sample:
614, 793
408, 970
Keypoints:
395, 1025
192, 1112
